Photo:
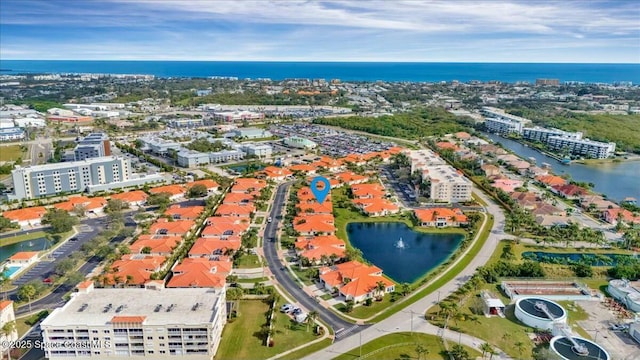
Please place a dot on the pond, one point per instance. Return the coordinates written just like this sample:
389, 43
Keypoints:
38, 244
574, 258
403, 254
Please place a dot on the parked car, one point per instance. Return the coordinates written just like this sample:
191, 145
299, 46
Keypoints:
269, 219
286, 308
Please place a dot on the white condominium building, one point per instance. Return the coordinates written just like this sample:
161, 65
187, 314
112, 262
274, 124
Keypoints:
157, 323
585, 147
542, 135
498, 121
445, 183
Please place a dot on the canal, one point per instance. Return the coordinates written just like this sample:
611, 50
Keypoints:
616, 180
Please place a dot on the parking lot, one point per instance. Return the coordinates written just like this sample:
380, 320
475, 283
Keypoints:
332, 142
618, 343
403, 190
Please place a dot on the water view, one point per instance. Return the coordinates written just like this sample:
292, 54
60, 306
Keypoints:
29, 245
616, 180
403, 254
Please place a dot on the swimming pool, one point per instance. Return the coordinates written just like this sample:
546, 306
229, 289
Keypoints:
9, 271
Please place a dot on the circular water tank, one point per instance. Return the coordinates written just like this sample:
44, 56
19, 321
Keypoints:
539, 313
578, 349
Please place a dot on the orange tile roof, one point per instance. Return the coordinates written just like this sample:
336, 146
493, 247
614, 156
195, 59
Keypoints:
88, 203
157, 244
308, 223
363, 278
238, 198
172, 190
248, 184
315, 208
276, 172
316, 247
128, 319
32, 213
354, 158
176, 227
200, 273
445, 145
462, 135
224, 227
306, 168
208, 247
378, 205
137, 266
432, 214
395, 150
235, 210
4, 304
551, 180
85, 284
131, 196
210, 184
350, 177
184, 213
367, 190
23, 255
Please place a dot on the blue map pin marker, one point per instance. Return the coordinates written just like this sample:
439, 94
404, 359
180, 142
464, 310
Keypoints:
320, 194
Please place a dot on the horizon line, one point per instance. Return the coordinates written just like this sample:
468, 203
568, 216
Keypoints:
338, 61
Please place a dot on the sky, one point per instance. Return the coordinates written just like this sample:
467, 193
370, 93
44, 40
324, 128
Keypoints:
570, 31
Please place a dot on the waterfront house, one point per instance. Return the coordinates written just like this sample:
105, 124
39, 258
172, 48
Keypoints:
551, 180
367, 191
507, 185
612, 216
23, 258
317, 247
597, 203
569, 191
440, 217
355, 281
376, 206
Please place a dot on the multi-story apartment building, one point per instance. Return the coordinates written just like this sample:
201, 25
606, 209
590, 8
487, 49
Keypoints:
76, 176
498, 121
445, 183
92, 146
542, 135
584, 147
153, 322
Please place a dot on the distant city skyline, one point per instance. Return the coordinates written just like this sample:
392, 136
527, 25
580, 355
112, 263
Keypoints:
398, 31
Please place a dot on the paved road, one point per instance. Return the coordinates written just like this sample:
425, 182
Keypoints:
412, 317
340, 327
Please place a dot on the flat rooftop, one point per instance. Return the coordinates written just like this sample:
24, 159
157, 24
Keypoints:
158, 307
544, 287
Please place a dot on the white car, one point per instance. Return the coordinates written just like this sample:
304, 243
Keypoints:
286, 308
269, 219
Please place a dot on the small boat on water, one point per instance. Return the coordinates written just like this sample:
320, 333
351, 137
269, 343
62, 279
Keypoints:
565, 161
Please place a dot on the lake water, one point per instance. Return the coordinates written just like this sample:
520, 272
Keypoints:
616, 180
422, 252
30, 245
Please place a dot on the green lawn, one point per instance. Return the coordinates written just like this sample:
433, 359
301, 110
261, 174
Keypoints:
434, 345
10, 153
248, 261
362, 311
259, 220
303, 274
22, 326
575, 313
241, 339
307, 350
253, 280
24, 237
499, 332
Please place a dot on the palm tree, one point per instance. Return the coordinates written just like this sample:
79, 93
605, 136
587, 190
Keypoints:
380, 288
5, 332
486, 348
421, 350
520, 346
312, 316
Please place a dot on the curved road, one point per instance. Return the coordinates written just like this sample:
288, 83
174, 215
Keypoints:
340, 326
412, 317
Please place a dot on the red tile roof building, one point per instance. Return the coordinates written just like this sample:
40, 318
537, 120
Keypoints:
354, 280
440, 217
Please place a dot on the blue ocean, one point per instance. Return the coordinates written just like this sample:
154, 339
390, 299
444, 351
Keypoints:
351, 71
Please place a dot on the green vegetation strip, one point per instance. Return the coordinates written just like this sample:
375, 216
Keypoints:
449, 275
10, 153
386, 345
307, 350
22, 237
